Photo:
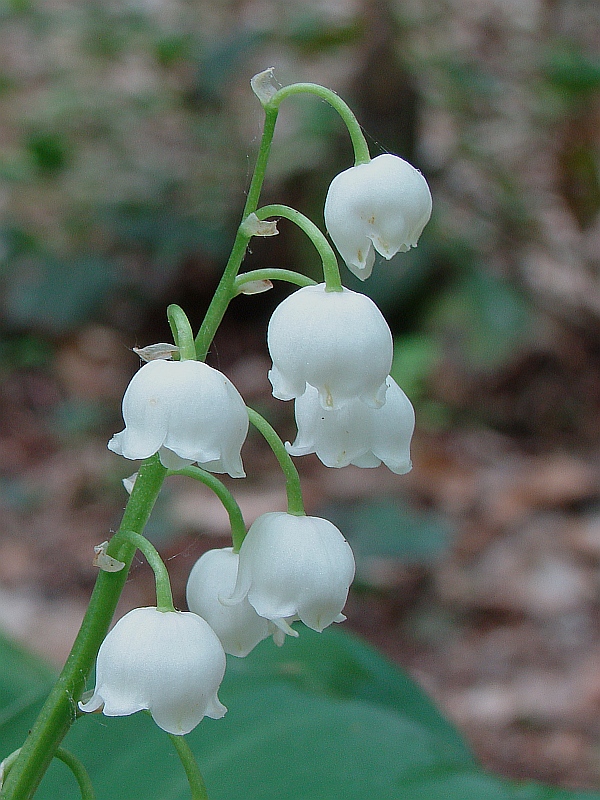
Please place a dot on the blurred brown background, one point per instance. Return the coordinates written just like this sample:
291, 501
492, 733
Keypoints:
127, 137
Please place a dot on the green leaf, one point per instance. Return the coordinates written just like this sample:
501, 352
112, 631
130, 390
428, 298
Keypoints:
416, 356
48, 150
24, 683
389, 528
56, 295
571, 70
486, 315
321, 718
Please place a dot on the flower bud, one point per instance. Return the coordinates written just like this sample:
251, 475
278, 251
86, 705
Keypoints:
337, 342
187, 412
238, 626
170, 663
384, 205
356, 434
299, 567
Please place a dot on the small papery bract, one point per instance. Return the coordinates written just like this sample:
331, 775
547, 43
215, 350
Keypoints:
356, 434
382, 205
337, 342
187, 412
295, 567
171, 663
238, 626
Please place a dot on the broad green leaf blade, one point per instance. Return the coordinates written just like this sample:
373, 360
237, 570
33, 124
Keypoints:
322, 718
24, 683
21, 674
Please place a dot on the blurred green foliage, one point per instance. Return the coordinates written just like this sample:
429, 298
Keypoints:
389, 529
323, 717
572, 71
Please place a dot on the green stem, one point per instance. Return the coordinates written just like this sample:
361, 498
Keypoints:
272, 274
59, 710
331, 271
182, 332
292, 479
225, 291
74, 764
236, 520
164, 595
79, 771
359, 143
194, 776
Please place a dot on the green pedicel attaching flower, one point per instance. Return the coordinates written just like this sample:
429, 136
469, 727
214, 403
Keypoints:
383, 205
186, 411
168, 662
337, 342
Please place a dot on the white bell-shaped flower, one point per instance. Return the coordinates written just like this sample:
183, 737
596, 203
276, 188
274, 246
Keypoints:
170, 663
187, 412
238, 626
295, 567
356, 434
383, 205
338, 342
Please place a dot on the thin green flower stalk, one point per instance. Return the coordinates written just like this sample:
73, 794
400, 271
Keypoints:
331, 272
292, 479
182, 332
74, 764
192, 771
60, 709
359, 143
226, 290
236, 520
164, 595
79, 771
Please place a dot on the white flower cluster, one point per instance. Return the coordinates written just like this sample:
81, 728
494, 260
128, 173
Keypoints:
332, 351
172, 663
332, 354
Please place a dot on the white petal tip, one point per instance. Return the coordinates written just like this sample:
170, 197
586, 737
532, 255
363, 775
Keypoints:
115, 444
95, 703
216, 710
235, 598
285, 627
400, 468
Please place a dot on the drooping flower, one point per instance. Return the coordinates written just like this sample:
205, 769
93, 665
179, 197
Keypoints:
337, 342
295, 567
383, 205
356, 434
187, 412
168, 662
238, 626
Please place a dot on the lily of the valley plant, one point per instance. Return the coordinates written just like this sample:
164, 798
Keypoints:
332, 352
